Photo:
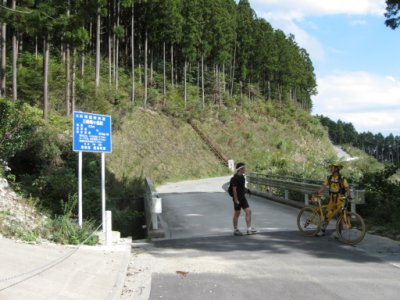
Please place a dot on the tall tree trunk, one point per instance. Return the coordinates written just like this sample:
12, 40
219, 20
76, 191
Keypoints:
164, 76
215, 88
249, 89
145, 69
198, 79
14, 59
91, 35
233, 69
73, 83
172, 65
241, 92
111, 37
220, 85
202, 81
280, 94
98, 48
3, 57
223, 78
45, 76
36, 47
151, 66
133, 52
140, 65
110, 69
82, 67
117, 50
68, 80
68, 71
185, 86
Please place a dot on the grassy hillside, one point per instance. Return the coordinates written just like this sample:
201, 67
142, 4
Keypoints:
163, 148
272, 140
285, 142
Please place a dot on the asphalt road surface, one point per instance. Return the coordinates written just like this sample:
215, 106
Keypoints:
201, 259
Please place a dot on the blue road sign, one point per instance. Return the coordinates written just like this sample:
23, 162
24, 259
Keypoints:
92, 132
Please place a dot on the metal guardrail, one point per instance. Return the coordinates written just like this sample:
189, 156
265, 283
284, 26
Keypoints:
265, 185
153, 207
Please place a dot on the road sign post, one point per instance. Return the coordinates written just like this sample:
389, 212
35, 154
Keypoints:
91, 133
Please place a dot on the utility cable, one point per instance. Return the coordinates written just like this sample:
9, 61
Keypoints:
39, 270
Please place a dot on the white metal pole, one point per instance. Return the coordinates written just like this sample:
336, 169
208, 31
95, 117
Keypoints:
80, 188
103, 190
108, 232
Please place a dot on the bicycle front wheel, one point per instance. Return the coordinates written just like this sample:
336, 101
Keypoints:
350, 228
309, 221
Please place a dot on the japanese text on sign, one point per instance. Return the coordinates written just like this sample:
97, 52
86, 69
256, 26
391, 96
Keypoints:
92, 132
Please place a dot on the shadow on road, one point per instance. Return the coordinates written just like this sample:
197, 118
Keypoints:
277, 242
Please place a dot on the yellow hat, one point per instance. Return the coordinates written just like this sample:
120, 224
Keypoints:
337, 165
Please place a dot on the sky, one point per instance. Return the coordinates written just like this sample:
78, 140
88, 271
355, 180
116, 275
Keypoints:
356, 58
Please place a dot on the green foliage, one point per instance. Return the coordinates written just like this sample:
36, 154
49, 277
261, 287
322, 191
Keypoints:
29, 83
175, 105
126, 201
64, 231
17, 123
46, 168
17, 230
382, 206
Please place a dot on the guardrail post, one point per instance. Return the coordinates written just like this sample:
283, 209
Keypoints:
306, 199
286, 195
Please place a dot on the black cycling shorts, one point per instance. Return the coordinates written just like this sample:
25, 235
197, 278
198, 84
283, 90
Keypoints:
243, 204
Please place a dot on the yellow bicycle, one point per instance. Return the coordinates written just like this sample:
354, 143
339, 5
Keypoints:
350, 226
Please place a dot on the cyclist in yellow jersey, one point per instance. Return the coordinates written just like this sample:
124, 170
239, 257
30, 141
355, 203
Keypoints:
337, 186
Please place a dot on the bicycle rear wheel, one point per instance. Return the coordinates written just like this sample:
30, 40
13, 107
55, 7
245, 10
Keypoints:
350, 228
309, 221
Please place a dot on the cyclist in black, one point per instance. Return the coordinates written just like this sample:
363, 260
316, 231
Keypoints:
239, 200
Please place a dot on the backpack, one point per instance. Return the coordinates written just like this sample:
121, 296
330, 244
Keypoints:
230, 189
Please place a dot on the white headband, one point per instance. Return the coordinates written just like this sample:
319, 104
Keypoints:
241, 167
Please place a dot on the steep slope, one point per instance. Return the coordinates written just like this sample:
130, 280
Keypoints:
166, 148
161, 147
17, 218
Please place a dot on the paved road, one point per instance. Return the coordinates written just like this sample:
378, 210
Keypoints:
201, 259
343, 155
